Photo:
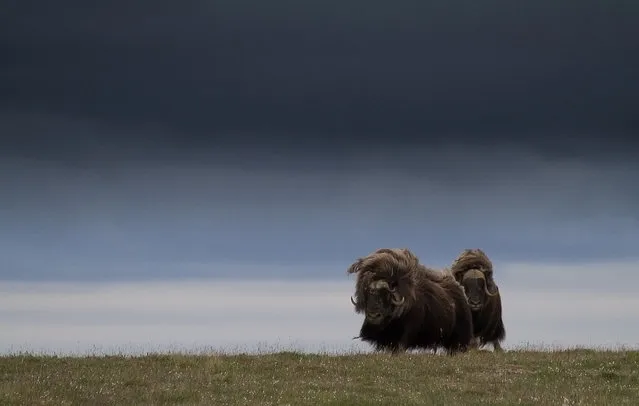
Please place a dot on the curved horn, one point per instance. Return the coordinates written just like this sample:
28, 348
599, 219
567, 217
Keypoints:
488, 281
396, 301
353, 302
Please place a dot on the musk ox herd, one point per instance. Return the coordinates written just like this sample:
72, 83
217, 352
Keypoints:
407, 305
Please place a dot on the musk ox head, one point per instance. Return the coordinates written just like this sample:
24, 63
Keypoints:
474, 271
384, 287
478, 286
380, 301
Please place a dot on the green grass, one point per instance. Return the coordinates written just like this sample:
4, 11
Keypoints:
566, 377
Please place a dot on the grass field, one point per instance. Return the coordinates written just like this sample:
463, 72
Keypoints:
566, 377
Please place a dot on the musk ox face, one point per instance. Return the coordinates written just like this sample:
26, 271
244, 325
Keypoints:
381, 300
478, 286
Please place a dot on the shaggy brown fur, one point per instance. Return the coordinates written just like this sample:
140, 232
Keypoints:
408, 305
474, 271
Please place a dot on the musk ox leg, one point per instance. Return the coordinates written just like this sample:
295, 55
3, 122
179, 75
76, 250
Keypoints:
462, 335
474, 344
401, 347
403, 343
380, 348
450, 351
501, 333
398, 350
498, 334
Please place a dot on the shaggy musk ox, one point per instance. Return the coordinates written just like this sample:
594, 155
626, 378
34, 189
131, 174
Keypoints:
408, 305
474, 271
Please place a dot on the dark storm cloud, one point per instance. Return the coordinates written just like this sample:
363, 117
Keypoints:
238, 71
154, 139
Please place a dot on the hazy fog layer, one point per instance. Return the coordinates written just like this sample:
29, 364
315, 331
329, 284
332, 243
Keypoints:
312, 315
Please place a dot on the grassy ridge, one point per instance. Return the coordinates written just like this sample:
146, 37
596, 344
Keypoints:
569, 377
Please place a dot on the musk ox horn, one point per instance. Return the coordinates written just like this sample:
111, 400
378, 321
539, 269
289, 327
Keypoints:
353, 302
488, 281
494, 287
397, 299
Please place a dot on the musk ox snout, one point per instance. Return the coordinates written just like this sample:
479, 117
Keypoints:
375, 317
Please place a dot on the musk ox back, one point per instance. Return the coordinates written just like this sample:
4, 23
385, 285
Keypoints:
474, 271
407, 305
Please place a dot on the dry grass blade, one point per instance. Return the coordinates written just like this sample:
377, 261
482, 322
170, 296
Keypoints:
571, 377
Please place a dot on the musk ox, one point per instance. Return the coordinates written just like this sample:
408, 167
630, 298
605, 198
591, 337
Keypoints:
474, 271
409, 306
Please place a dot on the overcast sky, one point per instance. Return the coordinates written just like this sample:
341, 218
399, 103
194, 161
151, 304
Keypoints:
156, 140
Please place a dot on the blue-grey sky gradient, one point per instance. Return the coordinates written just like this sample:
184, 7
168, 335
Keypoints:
136, 218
